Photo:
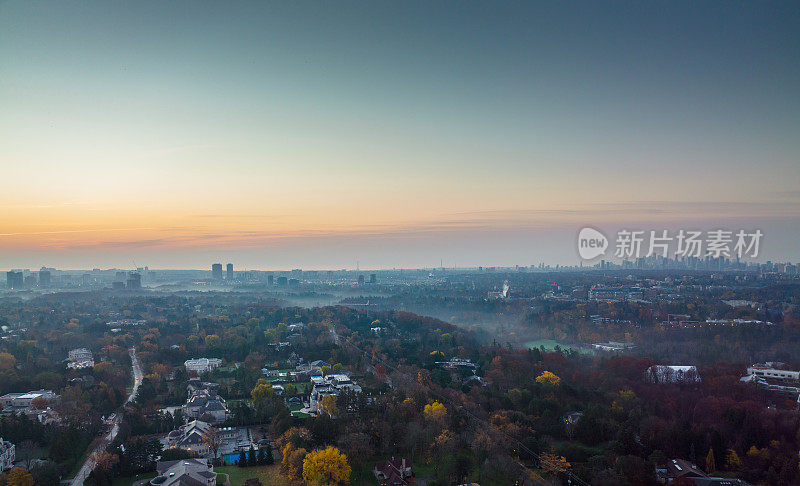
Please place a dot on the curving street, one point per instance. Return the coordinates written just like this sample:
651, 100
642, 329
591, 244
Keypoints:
114, 419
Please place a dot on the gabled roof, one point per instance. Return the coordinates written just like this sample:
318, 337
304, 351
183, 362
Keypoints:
720, 482
680, 468
185, 472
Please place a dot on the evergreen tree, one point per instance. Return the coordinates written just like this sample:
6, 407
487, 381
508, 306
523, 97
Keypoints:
711, 464
261, 458
242, 459
268, 459
251, 456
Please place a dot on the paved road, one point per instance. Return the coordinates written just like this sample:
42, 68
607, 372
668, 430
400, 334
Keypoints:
114, 419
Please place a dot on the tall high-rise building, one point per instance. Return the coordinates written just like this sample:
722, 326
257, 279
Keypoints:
229, 271
14, 279
270, 280
360, 280
373, 278
216, 271
134, 281
44, 278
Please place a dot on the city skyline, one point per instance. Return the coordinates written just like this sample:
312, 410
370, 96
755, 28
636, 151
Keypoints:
276, 135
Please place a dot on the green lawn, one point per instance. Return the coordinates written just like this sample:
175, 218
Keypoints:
269, 475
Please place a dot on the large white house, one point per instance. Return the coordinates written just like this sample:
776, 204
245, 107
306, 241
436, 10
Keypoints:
80, 358
20, 402
202, 365
672, 374
767, 371
7, 451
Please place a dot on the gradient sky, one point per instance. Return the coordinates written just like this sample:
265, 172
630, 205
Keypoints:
319, 134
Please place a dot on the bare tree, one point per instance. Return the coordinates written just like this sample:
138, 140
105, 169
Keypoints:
26, 451
212, 439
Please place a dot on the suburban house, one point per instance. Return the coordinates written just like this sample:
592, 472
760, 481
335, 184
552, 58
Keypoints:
313, 367
7, 451
21, 402
768, 370
185, 472
672, 374
190, 437
202, 365
573, 418
206, 404
330, 385
678, 471
393, 473
80, 358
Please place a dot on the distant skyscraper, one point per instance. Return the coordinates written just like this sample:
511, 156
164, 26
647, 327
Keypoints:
270, 280
14, 279
229, 271
44, 278
373, 278
216, 271
360, 280
134, 281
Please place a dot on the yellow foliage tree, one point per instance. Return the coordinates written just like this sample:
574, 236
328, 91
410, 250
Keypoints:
292, 460
326, 467
330, 404
548, 378
732, 460
711, 463
261, 393
434, 411
553, 463
19, 477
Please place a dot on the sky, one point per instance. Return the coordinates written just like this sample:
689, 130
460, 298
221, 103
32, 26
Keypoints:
389, 134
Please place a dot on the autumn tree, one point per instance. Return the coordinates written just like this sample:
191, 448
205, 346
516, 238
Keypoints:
548, 378
330, 404
19, 477
39, 403
213, 341
105, 460
212, 440
292, 461
326, 467
732, 460
434, 412
261, 394
553, 463
711, 464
